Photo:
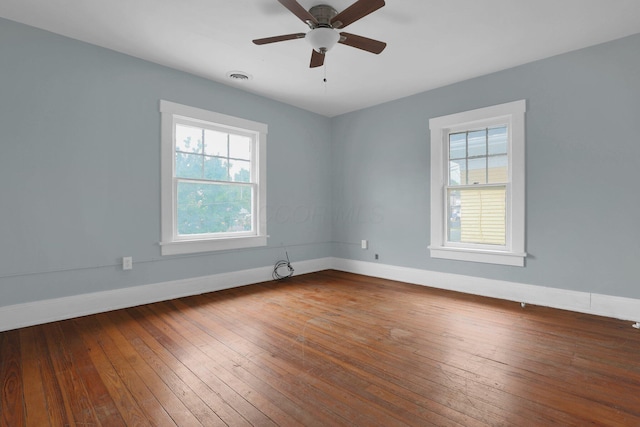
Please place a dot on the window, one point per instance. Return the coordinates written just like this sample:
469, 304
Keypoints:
213, 181
477, 185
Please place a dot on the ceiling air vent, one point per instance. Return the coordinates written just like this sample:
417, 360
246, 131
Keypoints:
240, 76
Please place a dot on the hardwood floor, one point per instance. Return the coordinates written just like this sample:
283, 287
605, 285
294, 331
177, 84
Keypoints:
325, 349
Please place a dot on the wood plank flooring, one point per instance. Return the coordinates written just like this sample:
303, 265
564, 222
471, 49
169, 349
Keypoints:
324, 349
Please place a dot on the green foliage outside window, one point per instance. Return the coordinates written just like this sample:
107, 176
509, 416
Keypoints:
220, 202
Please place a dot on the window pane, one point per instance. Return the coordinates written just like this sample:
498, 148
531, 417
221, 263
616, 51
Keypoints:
453, 214
498, 169
458, 172
215, 143
213, 208
477, 143
477, 171
240, 147
498, 140
188, 165
188, 139
458, 145
240, 171
215, 168
481, 215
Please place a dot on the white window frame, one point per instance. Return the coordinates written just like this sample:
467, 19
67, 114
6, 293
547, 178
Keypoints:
171, 243
513, 115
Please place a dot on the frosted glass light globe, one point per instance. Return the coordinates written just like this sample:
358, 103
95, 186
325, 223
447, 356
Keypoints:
322, 39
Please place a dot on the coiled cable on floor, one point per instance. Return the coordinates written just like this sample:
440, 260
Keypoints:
277, 275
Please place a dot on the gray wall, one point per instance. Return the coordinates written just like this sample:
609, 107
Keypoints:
583, 149
80, 169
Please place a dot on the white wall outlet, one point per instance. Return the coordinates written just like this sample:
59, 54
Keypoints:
364, 244
127, 263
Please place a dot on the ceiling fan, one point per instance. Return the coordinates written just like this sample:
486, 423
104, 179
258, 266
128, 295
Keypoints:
324, 22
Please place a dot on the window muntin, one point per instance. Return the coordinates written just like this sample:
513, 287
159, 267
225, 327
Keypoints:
477, 163
213, 181
477, 187
213, 170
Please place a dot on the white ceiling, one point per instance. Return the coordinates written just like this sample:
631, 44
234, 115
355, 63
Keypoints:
430, 43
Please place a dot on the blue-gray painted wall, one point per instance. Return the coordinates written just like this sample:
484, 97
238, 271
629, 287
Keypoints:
80, 169
582, 157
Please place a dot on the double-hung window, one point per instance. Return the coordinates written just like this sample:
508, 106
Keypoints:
213, 181
477, 185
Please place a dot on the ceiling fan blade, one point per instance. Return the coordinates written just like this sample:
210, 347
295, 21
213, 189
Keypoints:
364, 43
358, 10
317, 59
297, 9
279, 38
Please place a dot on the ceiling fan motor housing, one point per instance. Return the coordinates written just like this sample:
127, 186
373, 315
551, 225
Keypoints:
323, 14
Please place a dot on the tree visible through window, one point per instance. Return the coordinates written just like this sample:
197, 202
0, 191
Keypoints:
213, 173
213, 181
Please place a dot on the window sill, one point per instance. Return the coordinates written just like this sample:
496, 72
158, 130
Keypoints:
194, 246
477, 255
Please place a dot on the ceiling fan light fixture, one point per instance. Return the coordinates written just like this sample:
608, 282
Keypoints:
322, 39
324, 22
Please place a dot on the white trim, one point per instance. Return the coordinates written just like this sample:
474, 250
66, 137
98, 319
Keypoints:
478, 255
511, 113
222, 120
179, 247
581, 302
170, 243
471, 118
38, 312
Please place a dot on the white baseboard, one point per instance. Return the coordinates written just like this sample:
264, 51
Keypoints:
582, 302
39, 312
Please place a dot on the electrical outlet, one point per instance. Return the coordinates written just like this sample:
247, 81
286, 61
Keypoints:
364, 244
127, 263
376, 256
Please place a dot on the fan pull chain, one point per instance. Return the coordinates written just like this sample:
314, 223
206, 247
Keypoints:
324, 80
